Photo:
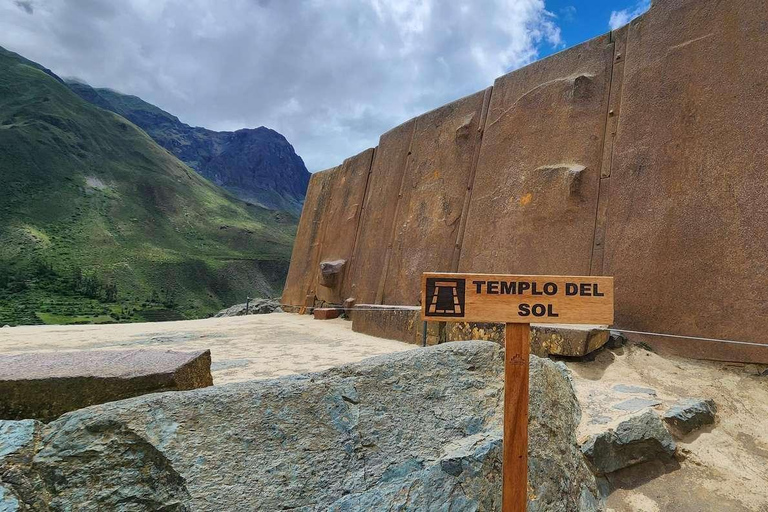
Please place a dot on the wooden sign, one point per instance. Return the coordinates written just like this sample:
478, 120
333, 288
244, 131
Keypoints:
517, 299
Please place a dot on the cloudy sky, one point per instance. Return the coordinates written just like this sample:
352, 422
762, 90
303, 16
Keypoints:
331, 75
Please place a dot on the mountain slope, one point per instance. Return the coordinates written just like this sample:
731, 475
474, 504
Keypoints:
98, 222
257, 165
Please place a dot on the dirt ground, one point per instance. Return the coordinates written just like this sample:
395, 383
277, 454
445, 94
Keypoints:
722, 468
242, 347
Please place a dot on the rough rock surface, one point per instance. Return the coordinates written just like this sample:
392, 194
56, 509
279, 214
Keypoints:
418, 430
257, 165
567, 340
330, 272
641, 438
690, 414
46, 385
256, 307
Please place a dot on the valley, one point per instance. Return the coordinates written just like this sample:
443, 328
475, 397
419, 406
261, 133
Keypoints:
101, 224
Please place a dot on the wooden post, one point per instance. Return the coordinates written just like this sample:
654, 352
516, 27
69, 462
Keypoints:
515, 459
516, 300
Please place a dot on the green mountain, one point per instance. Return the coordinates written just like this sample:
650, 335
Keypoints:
256, 165
99, 223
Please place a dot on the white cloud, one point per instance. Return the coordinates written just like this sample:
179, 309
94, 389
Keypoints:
331, 75
620, 18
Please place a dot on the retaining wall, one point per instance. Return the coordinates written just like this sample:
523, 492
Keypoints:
640, 154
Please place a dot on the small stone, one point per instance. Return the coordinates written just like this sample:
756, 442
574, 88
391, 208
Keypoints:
348, 306
326, 313
641, 438
616, 340
691, 414
636, 404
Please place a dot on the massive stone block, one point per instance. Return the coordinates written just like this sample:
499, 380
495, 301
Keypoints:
417, 430
341, 218
46, 385
536, 187
304, 259
372, 248
433, 196
686, 222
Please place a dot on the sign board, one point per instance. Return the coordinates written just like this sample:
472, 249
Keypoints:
519, 299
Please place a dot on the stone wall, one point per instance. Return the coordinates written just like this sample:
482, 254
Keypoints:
640, 154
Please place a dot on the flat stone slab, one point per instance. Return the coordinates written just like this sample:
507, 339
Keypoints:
46, 385
635, 390
636, 404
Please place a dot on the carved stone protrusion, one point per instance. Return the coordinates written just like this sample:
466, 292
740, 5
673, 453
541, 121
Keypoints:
569, 175
583, 87
330, 272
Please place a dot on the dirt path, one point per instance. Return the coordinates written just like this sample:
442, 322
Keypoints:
242, 348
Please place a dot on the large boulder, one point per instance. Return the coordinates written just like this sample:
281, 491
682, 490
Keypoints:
46, 385
416, 430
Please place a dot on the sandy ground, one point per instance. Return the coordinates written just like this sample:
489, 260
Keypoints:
242, 348
722, 468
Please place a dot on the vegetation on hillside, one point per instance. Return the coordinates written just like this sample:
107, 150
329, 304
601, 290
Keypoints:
99, 223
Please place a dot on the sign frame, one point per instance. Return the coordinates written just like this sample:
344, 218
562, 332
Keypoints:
521, 299
517, 301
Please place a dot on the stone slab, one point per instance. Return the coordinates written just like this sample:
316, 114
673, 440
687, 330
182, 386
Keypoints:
340, 219
326, 313
634, 390
536, 187
375, 234
551, 339
48, 384
567, 340
636, 404
686, 238
394, 323
433, 195
306, 247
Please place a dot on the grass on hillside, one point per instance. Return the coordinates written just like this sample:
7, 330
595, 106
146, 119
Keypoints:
86, 192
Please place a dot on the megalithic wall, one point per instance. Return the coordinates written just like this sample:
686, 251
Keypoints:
640, 154
687, 206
